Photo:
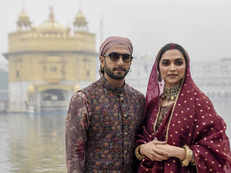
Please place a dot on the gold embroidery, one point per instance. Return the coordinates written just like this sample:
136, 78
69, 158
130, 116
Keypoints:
170, 119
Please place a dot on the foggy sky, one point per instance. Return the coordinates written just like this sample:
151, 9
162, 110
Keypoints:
201, 26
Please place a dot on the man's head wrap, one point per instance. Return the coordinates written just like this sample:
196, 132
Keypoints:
116, 41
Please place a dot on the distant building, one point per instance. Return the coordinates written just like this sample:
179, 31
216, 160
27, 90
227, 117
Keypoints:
213, 77
140, 70
48, 62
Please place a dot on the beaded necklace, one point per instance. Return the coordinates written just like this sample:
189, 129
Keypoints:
170, 94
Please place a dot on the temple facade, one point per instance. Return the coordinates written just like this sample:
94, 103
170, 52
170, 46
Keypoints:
46, 63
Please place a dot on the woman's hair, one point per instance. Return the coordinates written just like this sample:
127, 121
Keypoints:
171, 46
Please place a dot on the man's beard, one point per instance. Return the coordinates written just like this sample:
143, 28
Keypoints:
114, 76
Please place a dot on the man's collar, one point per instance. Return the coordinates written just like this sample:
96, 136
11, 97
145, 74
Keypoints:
109, 87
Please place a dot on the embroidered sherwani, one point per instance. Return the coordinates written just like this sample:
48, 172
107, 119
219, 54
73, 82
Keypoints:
101, 126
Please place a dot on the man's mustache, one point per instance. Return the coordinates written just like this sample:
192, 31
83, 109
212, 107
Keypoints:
119, 68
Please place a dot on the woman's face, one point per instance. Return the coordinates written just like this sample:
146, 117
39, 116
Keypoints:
172, 67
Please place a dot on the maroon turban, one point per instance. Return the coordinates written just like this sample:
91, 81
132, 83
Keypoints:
116, 41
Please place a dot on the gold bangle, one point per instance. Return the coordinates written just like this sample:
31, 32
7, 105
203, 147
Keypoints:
188, 156
137, 153
193, 163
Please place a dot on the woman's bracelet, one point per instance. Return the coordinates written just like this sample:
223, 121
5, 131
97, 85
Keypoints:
193, 163
188, 156
139, 156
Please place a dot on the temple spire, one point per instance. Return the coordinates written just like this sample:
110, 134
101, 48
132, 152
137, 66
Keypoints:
23, 22
51, 15
80, 22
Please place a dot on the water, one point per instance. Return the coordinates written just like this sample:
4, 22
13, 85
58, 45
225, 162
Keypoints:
32, 144
35, 143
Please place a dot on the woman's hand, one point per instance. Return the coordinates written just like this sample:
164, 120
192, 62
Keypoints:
171, 151
151, 150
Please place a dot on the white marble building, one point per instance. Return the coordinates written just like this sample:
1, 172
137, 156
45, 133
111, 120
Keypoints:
212, 77
139, 73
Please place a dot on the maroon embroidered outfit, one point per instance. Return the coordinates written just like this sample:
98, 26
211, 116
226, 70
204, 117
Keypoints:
100, 128
191, 121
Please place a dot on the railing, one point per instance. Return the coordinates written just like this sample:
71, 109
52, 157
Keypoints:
54, 104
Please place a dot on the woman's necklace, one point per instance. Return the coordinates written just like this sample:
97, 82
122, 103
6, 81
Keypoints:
170, 94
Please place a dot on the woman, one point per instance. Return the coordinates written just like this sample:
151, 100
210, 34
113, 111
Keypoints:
182, 132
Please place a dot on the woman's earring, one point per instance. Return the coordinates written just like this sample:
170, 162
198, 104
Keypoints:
159, 77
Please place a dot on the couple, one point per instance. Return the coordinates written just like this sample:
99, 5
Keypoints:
111, 128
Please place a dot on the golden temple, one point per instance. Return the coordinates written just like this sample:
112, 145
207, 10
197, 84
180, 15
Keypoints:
48, 62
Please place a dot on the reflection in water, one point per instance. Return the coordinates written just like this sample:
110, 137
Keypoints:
32, 144
35, 143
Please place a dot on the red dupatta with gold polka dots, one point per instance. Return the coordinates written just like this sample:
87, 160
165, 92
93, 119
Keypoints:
192, 121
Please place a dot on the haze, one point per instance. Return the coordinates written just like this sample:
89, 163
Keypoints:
201, 26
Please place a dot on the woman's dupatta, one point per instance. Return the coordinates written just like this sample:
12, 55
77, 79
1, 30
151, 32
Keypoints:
192, 121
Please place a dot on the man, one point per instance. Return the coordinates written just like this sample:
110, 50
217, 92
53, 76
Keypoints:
104, 117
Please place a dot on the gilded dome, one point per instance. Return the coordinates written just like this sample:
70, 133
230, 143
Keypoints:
23, 19
80, 14
51, 26
80, 19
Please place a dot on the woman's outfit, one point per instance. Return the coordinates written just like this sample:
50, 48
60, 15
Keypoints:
190, 121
